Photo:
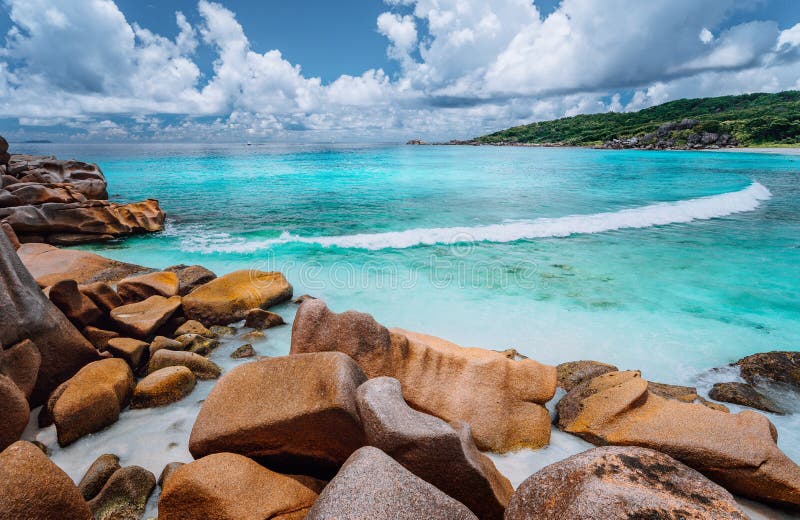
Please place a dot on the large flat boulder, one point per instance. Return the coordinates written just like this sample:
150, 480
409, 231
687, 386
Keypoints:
501, 399
373, 485
91, 400
33, 488
226, 486
621, 482
49, 264
311, 424
738, 451
441, 454
228, 298
63, 350
142, 319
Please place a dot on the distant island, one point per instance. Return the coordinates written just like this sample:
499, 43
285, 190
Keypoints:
762, 120
37, 141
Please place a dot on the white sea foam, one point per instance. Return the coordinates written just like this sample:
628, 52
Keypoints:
659, 214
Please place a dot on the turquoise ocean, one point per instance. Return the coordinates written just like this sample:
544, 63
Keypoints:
672, 263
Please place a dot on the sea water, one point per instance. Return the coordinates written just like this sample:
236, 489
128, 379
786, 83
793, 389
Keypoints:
672, 263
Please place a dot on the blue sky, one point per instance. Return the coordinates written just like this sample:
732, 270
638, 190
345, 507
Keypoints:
361, 70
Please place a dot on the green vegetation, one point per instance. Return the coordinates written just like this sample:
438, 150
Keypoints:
751, 119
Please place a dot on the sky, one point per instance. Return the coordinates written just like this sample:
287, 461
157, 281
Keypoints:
371, 70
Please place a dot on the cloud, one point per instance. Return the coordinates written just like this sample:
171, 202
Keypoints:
466, 67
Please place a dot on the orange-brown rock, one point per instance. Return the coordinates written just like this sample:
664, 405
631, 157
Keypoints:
260, 319
311, 424
573, 373
14, 412
621, 482
142, 319
49, 264
102, 295
96, 218
439, 453
21, 364
91, 400
501, 399
191, 277
99, 337
33, 488
6, 228
124, 496
228, 298
201, 367
194, 327
738, 451
143, 286
63, 350
162, 342
75, 305
162, 387
98, 474
133, 351
226, 486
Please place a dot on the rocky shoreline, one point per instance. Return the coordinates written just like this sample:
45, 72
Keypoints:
358, 421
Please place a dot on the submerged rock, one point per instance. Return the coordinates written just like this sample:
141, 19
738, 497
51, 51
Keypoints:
137, 288
226, 486
311, 424
737, 451
620, 482
228, 298
744, 395
162, 387
98, 474
245, 351
62, 348
373, 485
501, 399
33, 488
441, 454
91, 400
201, 367
124, 496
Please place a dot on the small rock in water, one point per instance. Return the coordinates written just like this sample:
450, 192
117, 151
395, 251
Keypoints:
260, 319
245, 351
197, 343
201, 367
162, 387
255, 335
98, 474
125, 495
222, 330
194, 327
744, 395
782, 368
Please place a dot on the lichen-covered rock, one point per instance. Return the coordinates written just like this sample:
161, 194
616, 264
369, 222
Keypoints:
245, 351
573, 373
620, 482
140, 287
133, 351
738, 451
21, 364
228, 298
14, 412
201, 367
98, 474
441, 454
33, 488
261, 319
372, 485
311, 423
124, 496
501, 399
162, 387
142, 319
191, 277
198, 344
226, 486
63, 350
91, 400
743, 394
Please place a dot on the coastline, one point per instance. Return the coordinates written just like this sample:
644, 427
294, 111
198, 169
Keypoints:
282, 334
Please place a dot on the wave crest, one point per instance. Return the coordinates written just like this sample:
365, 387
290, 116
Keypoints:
679, 212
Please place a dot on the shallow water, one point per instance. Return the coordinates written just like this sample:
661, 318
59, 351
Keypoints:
668, 262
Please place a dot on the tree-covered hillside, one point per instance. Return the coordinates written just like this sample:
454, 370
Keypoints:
747, 120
